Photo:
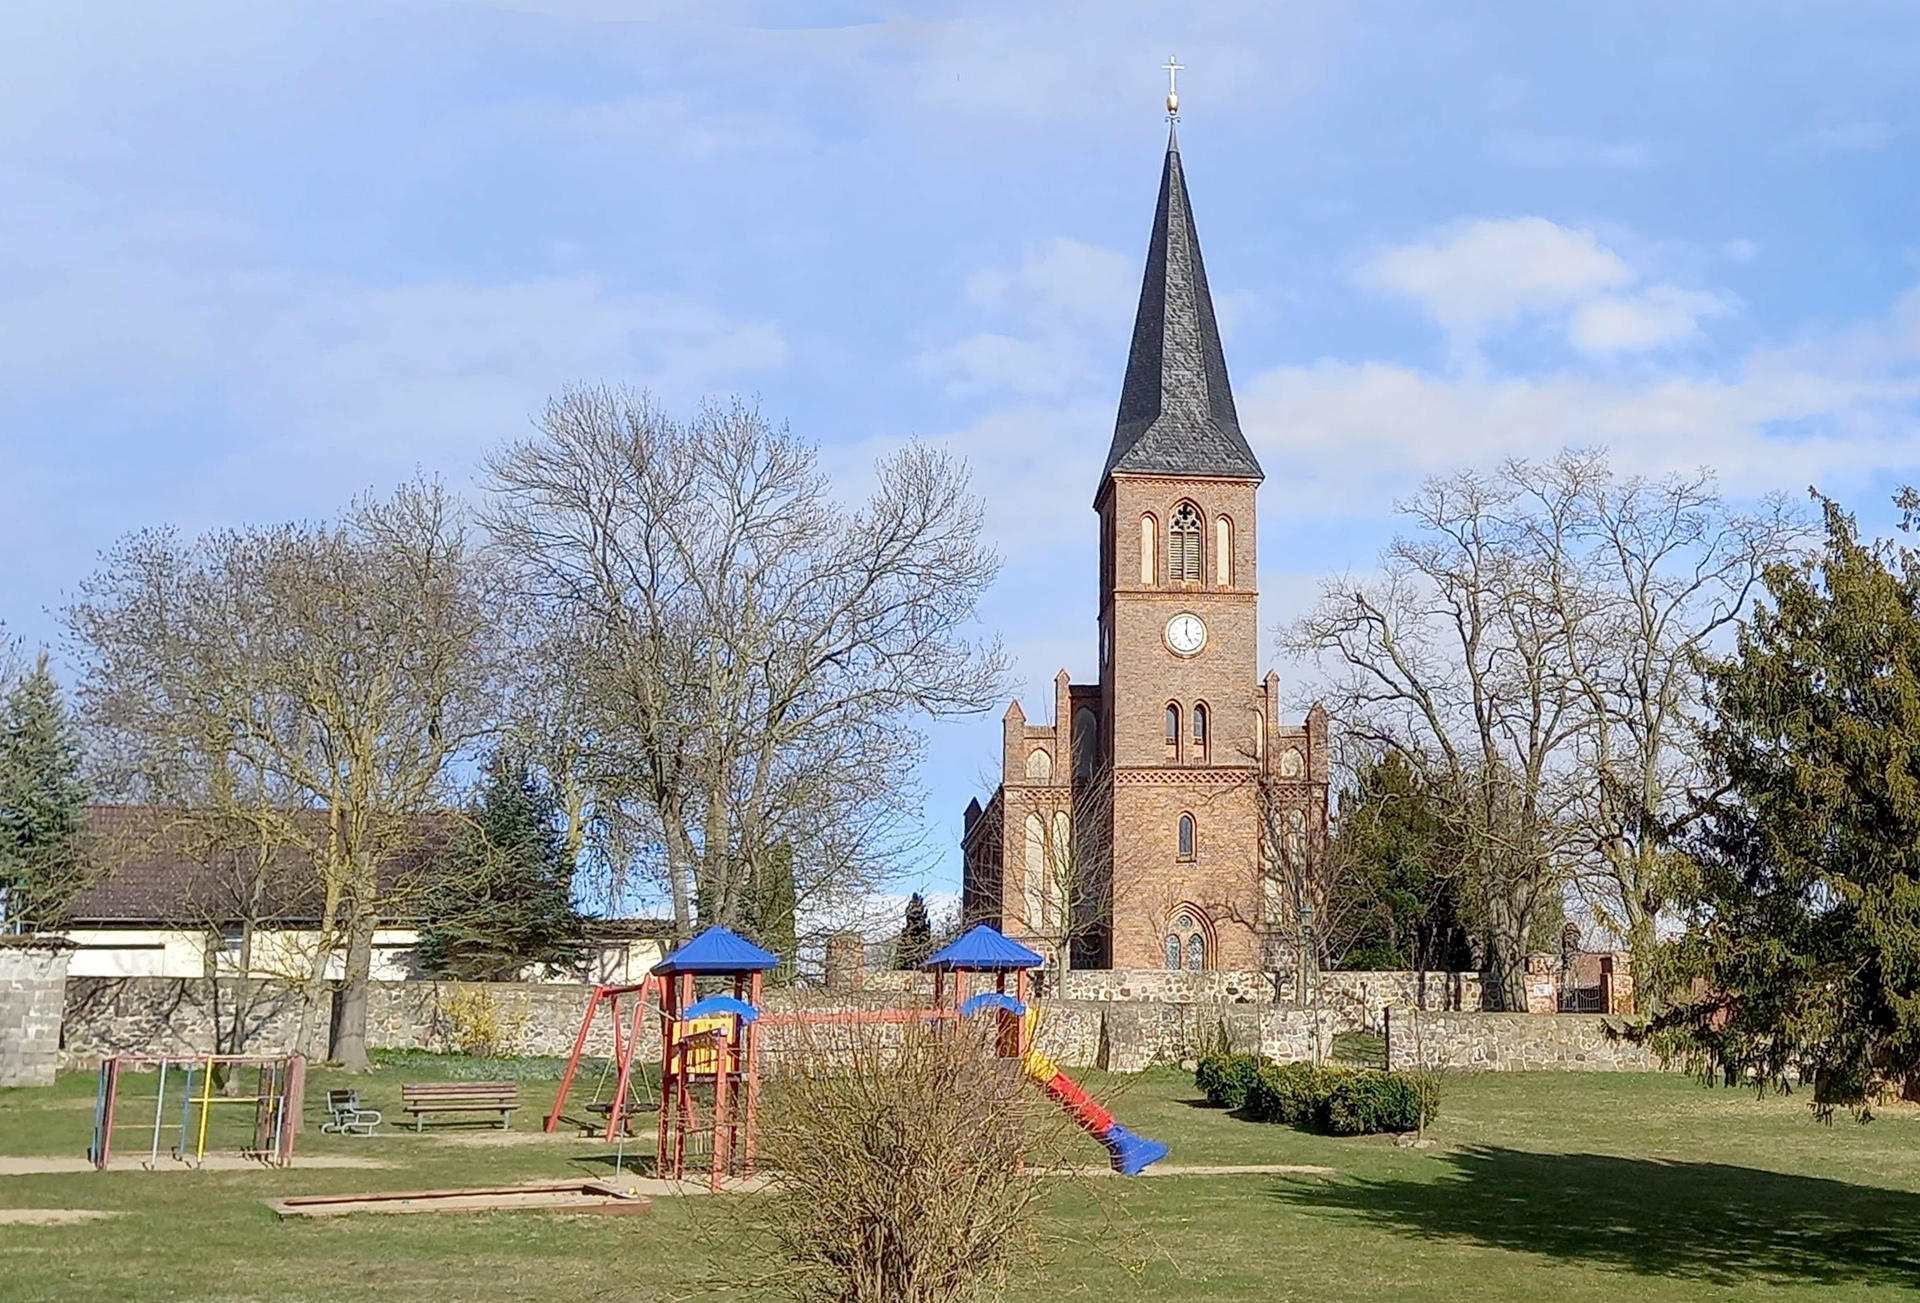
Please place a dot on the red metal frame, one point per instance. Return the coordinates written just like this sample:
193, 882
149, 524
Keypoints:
624, 1047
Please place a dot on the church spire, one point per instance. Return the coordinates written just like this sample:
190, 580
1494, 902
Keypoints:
1176, 408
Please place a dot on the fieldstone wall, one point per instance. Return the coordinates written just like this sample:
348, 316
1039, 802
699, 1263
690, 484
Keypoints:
1168, 985
33, 975
1358, 1001
183, 1016
1511, 1042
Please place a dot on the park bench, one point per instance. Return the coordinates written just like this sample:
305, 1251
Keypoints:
347, 1116
423, 1097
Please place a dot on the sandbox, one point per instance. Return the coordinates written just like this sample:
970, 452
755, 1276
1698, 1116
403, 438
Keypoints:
547, 1196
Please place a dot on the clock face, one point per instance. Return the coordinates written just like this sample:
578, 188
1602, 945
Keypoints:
1186, 634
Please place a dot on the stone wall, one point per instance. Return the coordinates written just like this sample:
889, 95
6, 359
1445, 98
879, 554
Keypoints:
188, 1016
33, 974
1168, 985
1511, 1042
1358, 1001
1123, 1034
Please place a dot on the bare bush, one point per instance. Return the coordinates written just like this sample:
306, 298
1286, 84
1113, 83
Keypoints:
901, 1158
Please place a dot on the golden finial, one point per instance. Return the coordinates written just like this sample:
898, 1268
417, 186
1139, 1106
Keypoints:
1173, 86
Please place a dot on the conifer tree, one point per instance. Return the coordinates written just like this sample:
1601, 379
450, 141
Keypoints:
1396, 896
916, 934
44, 854
1804, 944
770, 916
504, 899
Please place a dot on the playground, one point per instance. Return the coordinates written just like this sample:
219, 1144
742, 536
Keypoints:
1643, 1186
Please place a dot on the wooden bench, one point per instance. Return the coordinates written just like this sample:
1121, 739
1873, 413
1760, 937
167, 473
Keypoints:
423, 1097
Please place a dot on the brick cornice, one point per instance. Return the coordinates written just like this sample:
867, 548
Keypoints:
1188, 776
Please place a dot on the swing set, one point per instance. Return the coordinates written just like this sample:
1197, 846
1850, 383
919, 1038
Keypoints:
709, 1056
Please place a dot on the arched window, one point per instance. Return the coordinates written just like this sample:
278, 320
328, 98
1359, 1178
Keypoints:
1223, 552
1039, 763
1200, 732
1036, 884
1184, 543
1186, 836
1086, 743
1149, 548
1173, 731
1185, 944
1291, 763
1259, 735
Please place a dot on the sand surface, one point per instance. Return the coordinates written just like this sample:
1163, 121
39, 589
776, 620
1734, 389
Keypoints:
51, 1216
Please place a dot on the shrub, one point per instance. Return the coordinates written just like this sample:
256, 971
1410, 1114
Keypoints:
1367, 1102
1341, 1100
1293, 1093
1225, 1079
900, 1152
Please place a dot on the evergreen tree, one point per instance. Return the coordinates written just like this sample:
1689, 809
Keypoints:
1398, 858
45, 858
1804, 943
504, 897
770, 911
916, 934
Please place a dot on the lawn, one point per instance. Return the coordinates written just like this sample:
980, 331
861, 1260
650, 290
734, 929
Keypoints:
1557, 1186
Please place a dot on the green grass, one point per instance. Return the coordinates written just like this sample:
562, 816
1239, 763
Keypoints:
1562, 1186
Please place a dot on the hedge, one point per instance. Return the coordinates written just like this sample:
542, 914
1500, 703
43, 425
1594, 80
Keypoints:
1225, 1078
1342, 1101
1367, 1102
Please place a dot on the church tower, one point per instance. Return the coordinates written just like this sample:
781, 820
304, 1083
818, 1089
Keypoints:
1156, 844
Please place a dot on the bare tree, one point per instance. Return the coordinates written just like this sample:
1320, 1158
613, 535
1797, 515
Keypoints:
1456, 658
1303, 912
745, 658
1534, 648
1646, 574
314, 685
1065, 838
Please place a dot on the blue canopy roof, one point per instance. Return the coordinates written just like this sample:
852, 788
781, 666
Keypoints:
982, 947
718, 950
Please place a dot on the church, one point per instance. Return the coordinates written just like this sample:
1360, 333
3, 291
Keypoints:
1163, 816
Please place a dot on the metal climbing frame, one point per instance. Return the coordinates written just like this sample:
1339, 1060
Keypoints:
193, 1081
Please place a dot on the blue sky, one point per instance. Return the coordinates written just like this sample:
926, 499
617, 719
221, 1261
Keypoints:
257, 258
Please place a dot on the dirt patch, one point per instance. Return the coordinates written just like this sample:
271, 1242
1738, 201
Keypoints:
57, 1164
51, 1216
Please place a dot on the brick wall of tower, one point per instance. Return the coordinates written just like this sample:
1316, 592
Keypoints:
1140, 674
1219, 787
1150, 880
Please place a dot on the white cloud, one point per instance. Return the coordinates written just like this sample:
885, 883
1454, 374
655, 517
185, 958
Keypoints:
1475, 277
1354, 435
1478, 274
1660, 314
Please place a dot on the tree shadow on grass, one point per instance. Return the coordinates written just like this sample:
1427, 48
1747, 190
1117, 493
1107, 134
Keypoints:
1711, 1222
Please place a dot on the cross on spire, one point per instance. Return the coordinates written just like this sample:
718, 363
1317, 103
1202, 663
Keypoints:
1174, 69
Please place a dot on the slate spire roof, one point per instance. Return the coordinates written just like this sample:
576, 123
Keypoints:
1176, 407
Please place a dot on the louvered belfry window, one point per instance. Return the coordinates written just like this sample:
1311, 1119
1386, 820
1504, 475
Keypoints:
1184, 534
